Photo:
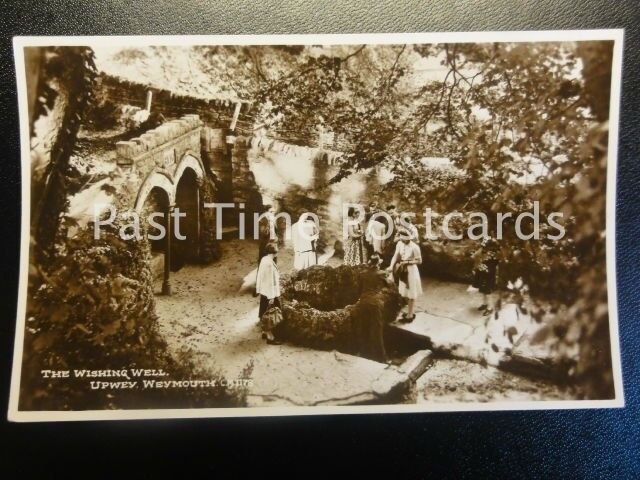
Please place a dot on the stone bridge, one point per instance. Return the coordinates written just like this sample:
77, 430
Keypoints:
161, 156
167, 164
184, 163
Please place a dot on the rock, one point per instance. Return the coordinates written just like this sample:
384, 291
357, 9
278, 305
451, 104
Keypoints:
416, 364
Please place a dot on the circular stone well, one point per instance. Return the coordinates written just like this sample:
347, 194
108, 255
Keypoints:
343, 308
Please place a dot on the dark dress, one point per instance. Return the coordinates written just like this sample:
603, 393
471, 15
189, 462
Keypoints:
484, 279
264, 237
264, 304
390, 244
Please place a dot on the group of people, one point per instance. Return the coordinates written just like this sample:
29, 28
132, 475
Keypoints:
386, 242
305, 236
382, 241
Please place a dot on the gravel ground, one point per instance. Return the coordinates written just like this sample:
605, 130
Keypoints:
462, 381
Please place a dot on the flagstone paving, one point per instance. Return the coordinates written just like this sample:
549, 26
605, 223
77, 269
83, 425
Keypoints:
448, 321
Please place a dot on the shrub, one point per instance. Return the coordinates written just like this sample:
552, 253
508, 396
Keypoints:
103, 115
94, 309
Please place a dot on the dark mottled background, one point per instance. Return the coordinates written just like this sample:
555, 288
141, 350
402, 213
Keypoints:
562, 444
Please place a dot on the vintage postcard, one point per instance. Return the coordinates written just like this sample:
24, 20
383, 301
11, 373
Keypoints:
285, 225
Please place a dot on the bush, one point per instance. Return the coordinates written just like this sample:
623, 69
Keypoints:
103, 115
94, 309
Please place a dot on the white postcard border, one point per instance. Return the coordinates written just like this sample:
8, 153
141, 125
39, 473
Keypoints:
616, 35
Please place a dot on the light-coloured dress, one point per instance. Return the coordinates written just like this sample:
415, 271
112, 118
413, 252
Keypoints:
376, 232
304, 236
268, 278
406, 252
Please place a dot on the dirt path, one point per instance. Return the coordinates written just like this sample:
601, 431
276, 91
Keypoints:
209, 315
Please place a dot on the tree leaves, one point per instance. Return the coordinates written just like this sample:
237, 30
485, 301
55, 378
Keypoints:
516, 119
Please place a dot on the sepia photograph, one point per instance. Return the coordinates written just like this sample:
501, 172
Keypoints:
326, 224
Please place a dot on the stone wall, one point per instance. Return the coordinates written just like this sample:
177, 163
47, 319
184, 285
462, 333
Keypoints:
245, 189
163, 146
216, 157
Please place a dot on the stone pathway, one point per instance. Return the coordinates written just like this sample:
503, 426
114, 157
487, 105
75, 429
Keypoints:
211, 317
448, 321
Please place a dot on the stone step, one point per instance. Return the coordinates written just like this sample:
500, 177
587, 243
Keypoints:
440, 333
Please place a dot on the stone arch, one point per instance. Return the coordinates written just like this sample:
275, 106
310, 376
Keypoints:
187, 199
157, 201
189, 160
157, 178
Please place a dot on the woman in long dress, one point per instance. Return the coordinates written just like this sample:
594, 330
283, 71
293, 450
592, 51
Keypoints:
353, 248
268, 287
404, 265
304, 236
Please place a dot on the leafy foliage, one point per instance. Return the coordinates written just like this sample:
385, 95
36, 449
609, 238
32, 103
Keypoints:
91, 301
95, 310
68, 72
522, 122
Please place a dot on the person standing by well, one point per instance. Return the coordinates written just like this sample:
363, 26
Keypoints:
404, 266
266, 232
354, 248
304, 235
268, 287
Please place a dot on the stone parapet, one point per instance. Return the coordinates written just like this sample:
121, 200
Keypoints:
181, 134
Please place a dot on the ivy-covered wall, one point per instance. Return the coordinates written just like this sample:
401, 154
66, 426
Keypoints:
94, 309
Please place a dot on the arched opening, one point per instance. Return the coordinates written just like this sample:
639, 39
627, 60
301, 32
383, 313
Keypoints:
155, 206
156, 202
156, 179
187, 249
